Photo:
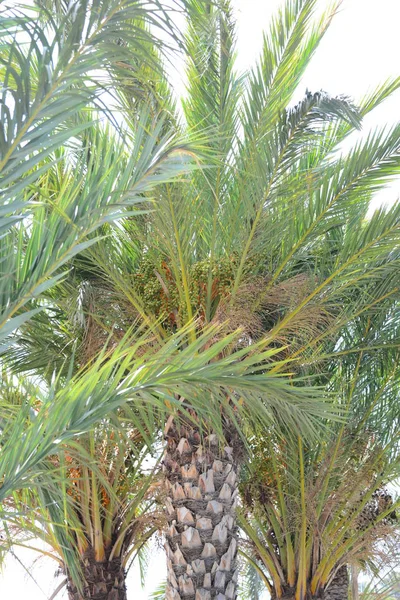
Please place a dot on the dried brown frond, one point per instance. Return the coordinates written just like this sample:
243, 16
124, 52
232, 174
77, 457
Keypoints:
261, 310
106, 318
239, 313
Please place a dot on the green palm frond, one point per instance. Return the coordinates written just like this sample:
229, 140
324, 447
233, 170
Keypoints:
213, 87
159, 592
73, 200
382, 585
253, 583
43, 422
329, 503
44, 91
288, 48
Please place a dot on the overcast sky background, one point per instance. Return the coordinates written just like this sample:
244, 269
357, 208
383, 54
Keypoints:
360, 50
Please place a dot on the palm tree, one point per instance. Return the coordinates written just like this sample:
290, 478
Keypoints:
311, 526
316, 511
272, 238
269, 236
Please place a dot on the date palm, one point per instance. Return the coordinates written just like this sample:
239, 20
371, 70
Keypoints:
56, 195
315, 509
270, 235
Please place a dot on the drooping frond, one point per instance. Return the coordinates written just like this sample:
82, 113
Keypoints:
87, 187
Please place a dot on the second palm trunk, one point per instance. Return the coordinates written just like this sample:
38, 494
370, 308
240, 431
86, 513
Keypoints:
100, 580
201, 479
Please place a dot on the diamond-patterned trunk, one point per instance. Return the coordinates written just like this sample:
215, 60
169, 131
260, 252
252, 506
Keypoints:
102, 581
202, 534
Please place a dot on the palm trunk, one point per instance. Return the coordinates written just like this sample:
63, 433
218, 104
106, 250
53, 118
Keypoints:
101, 581
202, 534
339, 587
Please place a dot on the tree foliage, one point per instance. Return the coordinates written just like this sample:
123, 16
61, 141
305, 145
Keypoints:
214, 264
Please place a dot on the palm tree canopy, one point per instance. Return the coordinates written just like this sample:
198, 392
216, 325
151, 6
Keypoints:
271, 234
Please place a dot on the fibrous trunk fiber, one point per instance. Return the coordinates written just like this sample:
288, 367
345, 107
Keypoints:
102, 581
202, 534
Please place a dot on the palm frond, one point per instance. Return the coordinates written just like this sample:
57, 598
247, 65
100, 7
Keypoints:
72, 201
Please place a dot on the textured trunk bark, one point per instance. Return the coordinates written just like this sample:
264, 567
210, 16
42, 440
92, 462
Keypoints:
201, 499
338, 589
102, 581
339, 586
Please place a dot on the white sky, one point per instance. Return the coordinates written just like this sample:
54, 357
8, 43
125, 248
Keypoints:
360, 50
